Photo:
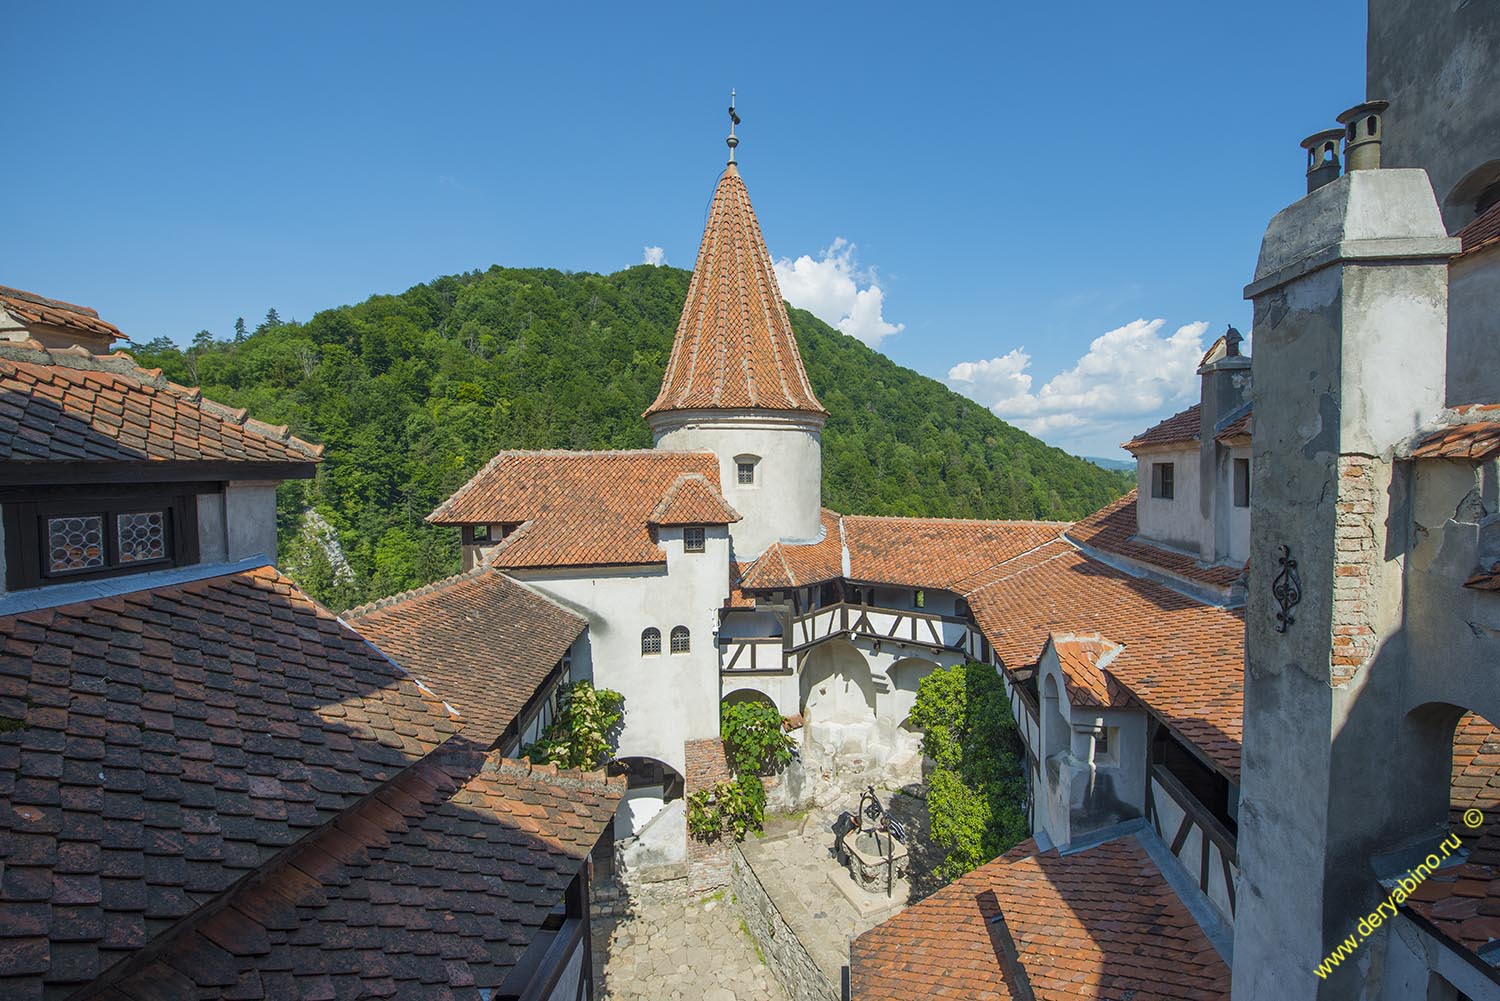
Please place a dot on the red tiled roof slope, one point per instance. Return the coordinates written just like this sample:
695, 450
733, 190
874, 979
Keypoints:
1463, 902
1102, 923
1241, 427
583, 508
28, 307
1182, 658
1483, 232
936, 552
1112, 529
71, 406
434, 887
734, 348
1082, 660
1478, 442
170, 741
1179, 429
692, 500
482, 642
784, 565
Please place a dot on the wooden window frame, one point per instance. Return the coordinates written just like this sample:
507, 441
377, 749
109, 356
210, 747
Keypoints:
26, 534
1164, 480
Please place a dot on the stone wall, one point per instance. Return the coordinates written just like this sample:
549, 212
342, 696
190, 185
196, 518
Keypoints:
785, 954
708, 861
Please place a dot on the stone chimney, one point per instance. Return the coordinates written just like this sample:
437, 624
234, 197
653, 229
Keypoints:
1322, 157
1350, 297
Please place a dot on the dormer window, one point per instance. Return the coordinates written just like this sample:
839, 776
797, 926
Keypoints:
1163, 480
692, 539
55, 542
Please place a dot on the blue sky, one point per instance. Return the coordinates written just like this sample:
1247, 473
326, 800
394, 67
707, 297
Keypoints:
1022, 190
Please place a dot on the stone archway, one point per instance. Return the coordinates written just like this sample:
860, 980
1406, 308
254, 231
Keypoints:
836, 684
651, 785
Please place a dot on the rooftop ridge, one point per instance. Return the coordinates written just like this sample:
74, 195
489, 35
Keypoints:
42, 300
959, 521
428, 588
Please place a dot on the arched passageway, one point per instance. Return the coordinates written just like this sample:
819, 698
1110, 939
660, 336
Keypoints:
836, 684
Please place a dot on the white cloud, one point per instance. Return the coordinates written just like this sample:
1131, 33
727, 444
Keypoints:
1128, 378
829, 288
655, 256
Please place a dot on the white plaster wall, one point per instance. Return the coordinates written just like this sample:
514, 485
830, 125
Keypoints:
638, 808
785, 500
213, 541
1177, 522
1239, 517
250, 519
747, 623
779, 688
1474, 328
669, 698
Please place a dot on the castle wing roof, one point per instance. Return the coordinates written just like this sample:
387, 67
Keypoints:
936, 552
70, 407
1179, 429
692, 500
1111, 530
161, 744
29, 308
1084, 661
480, 640
1102, 922
574, 508
734, 348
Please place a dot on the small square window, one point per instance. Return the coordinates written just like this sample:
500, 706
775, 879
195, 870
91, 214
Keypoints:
1241, 482
746, 473
481, 533
1163, 477
141, 536
692, 538
75, 543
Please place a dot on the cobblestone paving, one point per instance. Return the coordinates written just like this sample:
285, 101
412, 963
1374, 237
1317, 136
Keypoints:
670, 948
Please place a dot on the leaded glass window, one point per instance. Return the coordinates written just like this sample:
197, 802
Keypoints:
75, 542
141, 535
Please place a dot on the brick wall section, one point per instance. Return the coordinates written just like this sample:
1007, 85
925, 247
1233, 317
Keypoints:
708, 862
1356, 565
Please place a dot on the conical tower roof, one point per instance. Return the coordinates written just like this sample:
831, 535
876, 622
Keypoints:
734, 349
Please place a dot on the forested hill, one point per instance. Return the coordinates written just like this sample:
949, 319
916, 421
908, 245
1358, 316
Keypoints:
412, 393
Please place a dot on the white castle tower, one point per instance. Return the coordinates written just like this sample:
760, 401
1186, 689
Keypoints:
735, 383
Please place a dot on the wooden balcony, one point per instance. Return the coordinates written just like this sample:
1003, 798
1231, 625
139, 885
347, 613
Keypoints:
908, 627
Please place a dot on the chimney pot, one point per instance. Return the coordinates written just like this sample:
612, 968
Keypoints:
1322, 157
1363, 129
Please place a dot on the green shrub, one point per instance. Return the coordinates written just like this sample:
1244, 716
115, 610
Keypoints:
732, 807
584, 732
754, 739
976, 795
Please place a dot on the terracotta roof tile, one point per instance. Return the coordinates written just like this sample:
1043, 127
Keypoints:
578, 508
936, 552
1179, 429
693, 500
70, 406
171, 741
482, 642
1112, 529
1242, 426
1462, 902
1083, 660
30, 308
1479, 442
433, 887
1182, 658
734, 348
1102, 923
783, 565
1483, 232
737, 596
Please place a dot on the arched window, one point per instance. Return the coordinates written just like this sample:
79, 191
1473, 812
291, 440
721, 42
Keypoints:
651, 641
680, 640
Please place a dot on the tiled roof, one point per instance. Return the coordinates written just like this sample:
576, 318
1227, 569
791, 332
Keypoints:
1102, 923
432, 888
1083, 660
481, 641
1241, 427
692, 500
1483, 232
936, 552
169, 742
30, 308
1179, 429
1478, 442
734, 348
581, 508
737, 596
1112, 529
1182, 658
70, 406
783, 565
1463, 902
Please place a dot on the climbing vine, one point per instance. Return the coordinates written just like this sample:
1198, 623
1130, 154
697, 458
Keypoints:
755, 744
976, 795
586, 729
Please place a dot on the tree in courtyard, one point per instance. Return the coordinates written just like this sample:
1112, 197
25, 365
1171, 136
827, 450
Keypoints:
586, 730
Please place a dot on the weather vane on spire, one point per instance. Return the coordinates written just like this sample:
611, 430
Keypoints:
734, 119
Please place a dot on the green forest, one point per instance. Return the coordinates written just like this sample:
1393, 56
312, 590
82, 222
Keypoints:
412, 393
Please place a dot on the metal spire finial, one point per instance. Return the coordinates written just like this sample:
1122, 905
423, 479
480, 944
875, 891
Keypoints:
734, 119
